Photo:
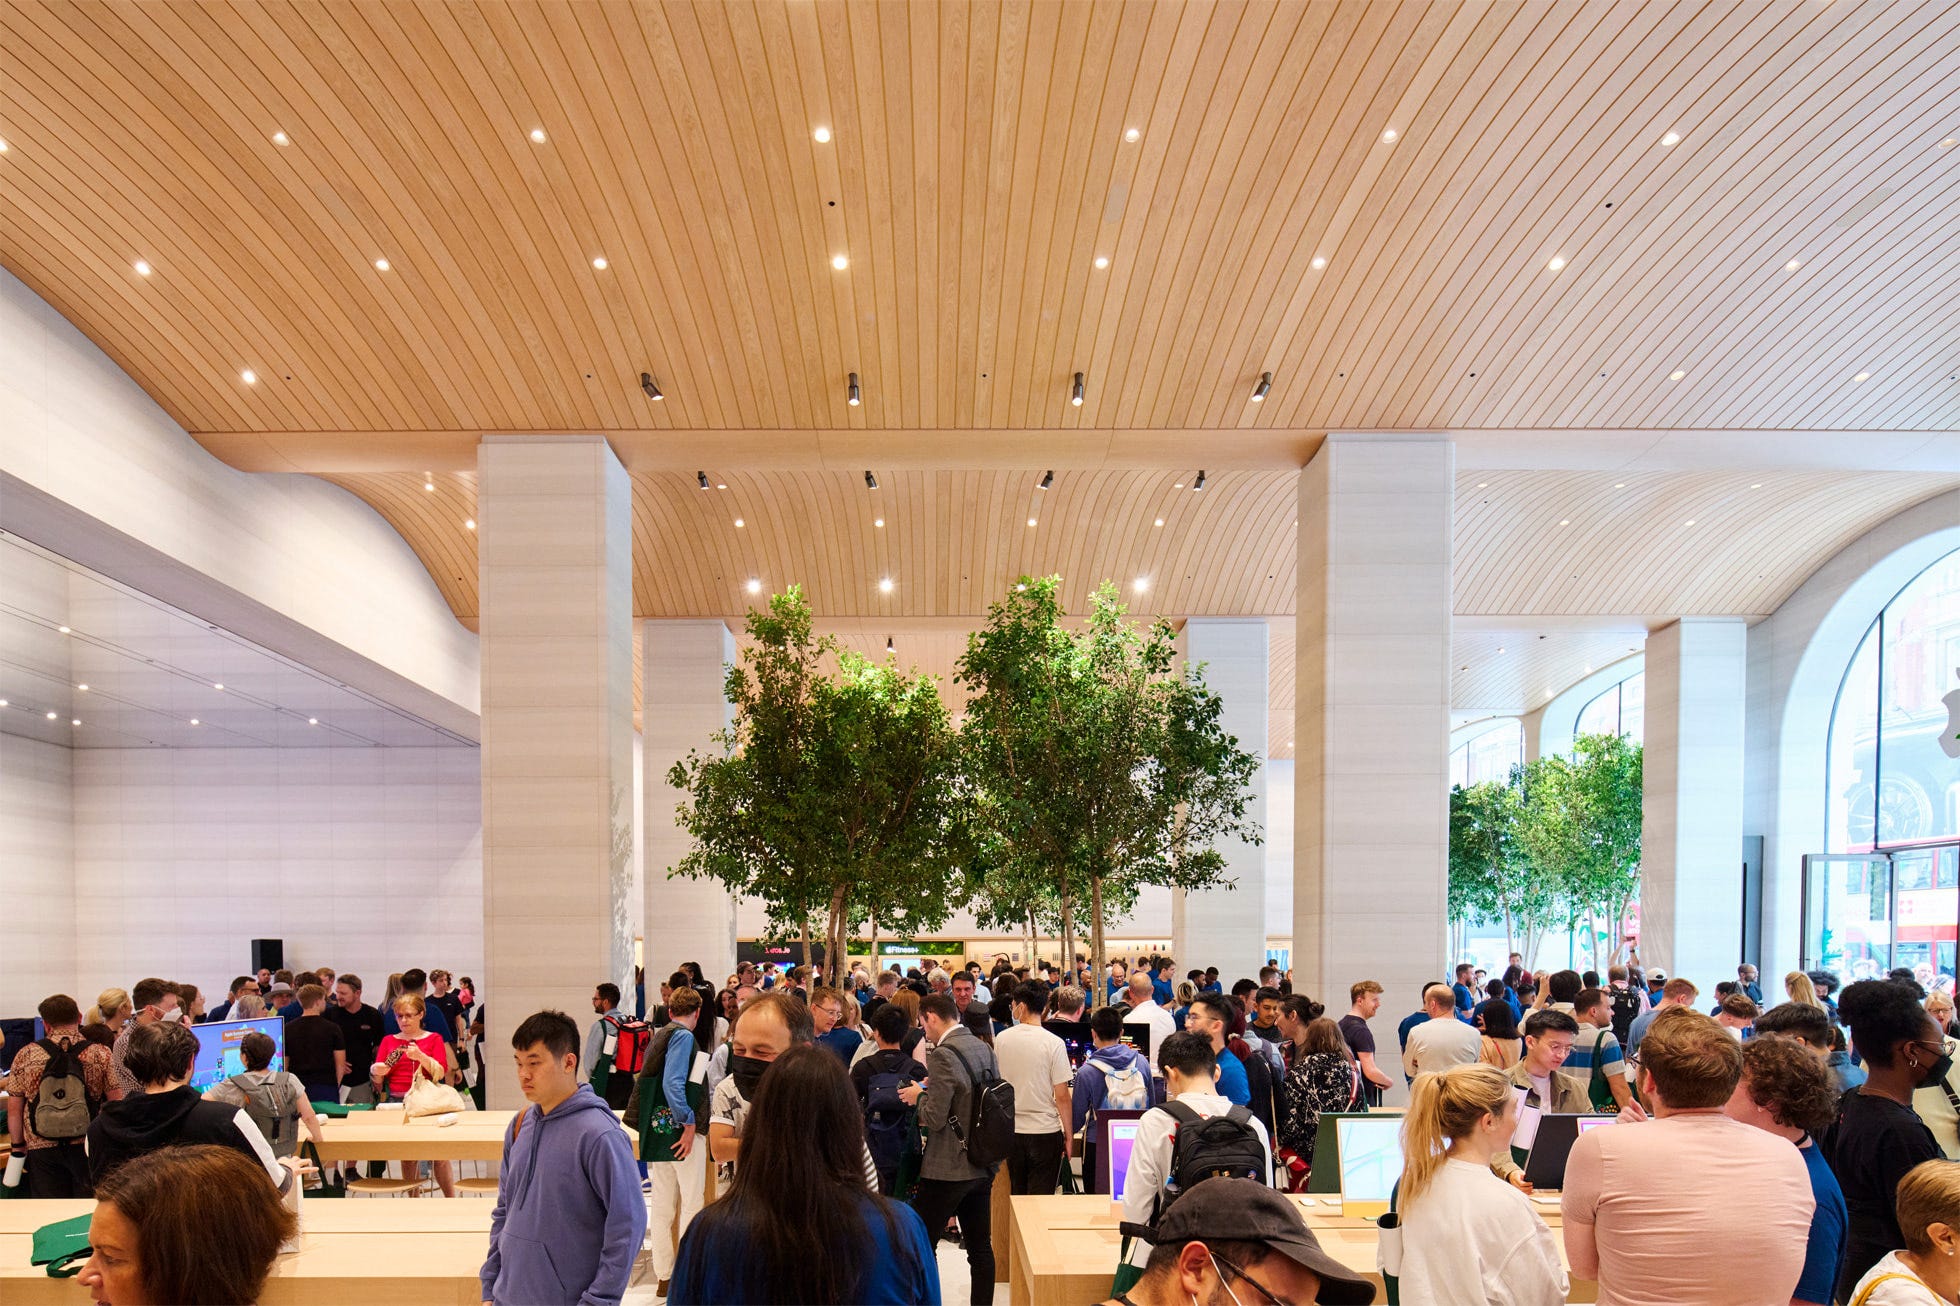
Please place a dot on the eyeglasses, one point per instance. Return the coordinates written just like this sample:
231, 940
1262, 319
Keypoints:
1259, 1287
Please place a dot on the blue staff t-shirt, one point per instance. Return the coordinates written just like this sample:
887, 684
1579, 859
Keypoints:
1827, 1229
1233, 1086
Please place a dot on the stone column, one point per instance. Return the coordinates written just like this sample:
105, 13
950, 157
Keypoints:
554, 563
1371, 779
1691, 807
1226, 927
686, 920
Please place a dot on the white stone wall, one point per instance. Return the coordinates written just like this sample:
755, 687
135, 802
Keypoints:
37, 865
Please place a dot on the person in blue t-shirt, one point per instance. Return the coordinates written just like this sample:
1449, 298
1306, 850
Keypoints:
1465, 990
798, 1222
1161, 983
1787, 1091
1210, 1017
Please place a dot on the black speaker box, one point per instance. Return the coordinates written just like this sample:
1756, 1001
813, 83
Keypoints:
268, 954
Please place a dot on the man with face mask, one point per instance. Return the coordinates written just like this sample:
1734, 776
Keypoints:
1233, 1242
155, 1000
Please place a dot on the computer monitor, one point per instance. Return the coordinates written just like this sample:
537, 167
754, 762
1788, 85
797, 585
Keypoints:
218, 1057
1370, 1161
1112, 1135
1075, 1038
1544, 1168
1324, 1166
1137, 1034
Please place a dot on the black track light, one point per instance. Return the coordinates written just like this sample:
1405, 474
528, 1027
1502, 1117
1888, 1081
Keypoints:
1198, 484
701, 479
1265, 384
652, 390
1046, 481
889, 646
870, 481
852, 397
1075, 395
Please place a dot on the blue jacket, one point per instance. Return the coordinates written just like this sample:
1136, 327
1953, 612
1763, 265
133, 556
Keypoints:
1088, 1093
570, 1215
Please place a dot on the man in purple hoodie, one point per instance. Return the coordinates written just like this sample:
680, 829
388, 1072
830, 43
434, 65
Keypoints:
570, 1216
1114, 1075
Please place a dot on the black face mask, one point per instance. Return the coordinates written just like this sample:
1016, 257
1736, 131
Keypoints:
1936, 1073
747, 1073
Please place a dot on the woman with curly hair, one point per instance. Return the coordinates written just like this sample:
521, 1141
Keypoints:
1787, 1091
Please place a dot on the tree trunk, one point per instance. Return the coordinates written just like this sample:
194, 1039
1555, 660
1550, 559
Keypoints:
1511, 938
804, 928
833, 961
875, 967
1098, 949
1068, 938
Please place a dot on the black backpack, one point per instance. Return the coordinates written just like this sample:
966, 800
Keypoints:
1212, 1147
1626, 1007
988, 1133
887, 1120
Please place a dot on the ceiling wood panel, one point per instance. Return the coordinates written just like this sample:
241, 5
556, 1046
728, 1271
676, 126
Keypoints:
978, 167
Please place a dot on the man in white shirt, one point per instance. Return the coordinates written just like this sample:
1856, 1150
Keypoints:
1145, 1011
1441, 1041
1035, 1062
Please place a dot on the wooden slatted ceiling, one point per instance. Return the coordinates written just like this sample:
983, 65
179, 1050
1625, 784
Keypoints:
978, 167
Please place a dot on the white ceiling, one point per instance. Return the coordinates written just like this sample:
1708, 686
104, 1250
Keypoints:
150, 670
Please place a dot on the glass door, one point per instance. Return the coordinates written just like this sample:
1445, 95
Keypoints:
1926, 914
1848, 914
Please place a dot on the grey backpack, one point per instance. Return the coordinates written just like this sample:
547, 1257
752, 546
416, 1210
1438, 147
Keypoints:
61, 1108
274, 1108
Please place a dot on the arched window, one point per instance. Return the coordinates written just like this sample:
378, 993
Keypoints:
1488, 753
1890, 781
1621, 710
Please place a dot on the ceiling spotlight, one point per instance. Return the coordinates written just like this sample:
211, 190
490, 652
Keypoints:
3, 147
1388, 137
1672, 138
652, 391
3, 702
429, 487
381, 265
1556, 263
701, 479
537, 135
870, 481
822, 135
885, 585
1755, 485
600, 263
1319, 263
313, 721
852, 396
1031, 521
1946, 144
280, 138
1047, 481
721, 485
1792, 265
218, 685
890, 647
1862, 376
739, 523
1133, 135
1140, 584
879, 523
1075, 393
142, 268
1160, 521
1689, 522
1102, 261
755, 586
83, 688
249, 377
840, 261
469, 523
62, 629
1198, 484
1259, 391
1565, 521
74, 721
196, 722
53, 715
1675, 376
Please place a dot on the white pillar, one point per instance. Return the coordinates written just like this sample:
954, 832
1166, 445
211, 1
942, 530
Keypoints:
1226, 927
554, 551
1691, 807
686, 920
1371, 781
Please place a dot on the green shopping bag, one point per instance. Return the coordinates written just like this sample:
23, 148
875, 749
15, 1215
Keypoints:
330, 1182
340, 1110
62, 1247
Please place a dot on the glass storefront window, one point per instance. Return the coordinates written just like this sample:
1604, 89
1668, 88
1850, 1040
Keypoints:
1488, 756
1621, 710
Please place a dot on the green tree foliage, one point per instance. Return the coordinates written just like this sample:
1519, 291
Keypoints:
1579, 830
831, 796
1490, 880
1100, 768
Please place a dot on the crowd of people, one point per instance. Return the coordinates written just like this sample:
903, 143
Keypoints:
854, 1126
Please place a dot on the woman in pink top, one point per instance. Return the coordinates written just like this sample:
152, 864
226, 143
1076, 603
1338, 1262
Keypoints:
401, 1057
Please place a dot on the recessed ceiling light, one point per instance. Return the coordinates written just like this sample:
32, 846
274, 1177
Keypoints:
885, 585
1793, 265
1133, 135
1675, 376
1140, 584
83, 688
142, 268
537, 135
62, 629
879, 523
313, 721
1031, 521
1565, 521
1757, 485
1178, 485
1160, 521
218, 685
249, 377
600, 263
74, 721
429, 487
1689, 522
1619, 485
469, 523
755, 586
1556, 263
1672, 138
53, 715
1500, 650
280, 138
1862, 376
739, 523
381, 265
3, 147
195, 721
721, 485
840, 261
1102, 260
822, 135
3, 702
1483, 485
1388, 137
1319, 262
1946, 144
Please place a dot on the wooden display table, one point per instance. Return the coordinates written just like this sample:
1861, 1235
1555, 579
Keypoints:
377, 1253
1065, 1248
386, 1136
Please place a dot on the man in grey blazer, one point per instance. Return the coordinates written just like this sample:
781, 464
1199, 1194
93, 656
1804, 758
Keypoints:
950, 1184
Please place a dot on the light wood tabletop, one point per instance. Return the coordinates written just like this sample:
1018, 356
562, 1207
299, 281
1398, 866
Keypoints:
386, 1136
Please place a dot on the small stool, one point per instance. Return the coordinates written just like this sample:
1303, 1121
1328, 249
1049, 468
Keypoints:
476, 1185
382, 1187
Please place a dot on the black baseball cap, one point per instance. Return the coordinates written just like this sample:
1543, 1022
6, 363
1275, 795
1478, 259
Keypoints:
1242, 1210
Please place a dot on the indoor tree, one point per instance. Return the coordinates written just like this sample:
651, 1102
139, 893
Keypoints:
1094, 759
829, 795
1579, 822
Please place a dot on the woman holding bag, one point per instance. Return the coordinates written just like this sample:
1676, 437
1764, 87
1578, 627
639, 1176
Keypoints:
1467, 1237
402, 1057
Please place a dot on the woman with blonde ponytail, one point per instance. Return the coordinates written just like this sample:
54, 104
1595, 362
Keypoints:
1469, 1238
103, 1021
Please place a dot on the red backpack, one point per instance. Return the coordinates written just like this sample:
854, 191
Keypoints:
631, 1038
